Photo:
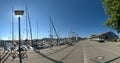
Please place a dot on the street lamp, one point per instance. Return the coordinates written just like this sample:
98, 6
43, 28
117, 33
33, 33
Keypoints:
19, 13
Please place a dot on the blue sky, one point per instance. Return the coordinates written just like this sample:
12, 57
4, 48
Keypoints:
85, 17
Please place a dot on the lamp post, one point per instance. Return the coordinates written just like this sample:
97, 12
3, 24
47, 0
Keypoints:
19, 13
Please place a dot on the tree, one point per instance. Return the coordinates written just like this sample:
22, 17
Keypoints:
112, 9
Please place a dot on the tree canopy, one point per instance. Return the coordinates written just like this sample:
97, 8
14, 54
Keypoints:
112, 9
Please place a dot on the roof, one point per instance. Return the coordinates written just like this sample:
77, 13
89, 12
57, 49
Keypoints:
104, 33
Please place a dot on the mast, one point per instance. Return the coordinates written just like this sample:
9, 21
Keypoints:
51, 36
50, 27
69, 34
12, 25
54, 30
29, 25
37, 29
26, 25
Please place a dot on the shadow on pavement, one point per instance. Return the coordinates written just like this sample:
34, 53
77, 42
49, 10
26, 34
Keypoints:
112, 60
51, 59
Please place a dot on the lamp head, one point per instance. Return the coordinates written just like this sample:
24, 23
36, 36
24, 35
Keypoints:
19, 12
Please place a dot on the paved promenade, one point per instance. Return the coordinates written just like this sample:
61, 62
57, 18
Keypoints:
33, 57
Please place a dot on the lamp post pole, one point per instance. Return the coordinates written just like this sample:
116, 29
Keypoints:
19, 31
19, 13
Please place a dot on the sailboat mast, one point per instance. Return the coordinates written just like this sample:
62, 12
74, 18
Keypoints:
37, 29
12, 25
50, 27
29, 25
26, 25
54, 30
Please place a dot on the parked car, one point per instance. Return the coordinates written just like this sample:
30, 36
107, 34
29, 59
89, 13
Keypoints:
69, 43
39, 47
101, 40
62, 43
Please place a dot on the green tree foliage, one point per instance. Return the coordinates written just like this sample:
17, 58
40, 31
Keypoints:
112, 9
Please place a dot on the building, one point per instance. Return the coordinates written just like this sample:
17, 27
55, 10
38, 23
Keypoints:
110, 36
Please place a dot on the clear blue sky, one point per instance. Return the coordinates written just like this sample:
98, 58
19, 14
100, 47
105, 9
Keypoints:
85, 17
